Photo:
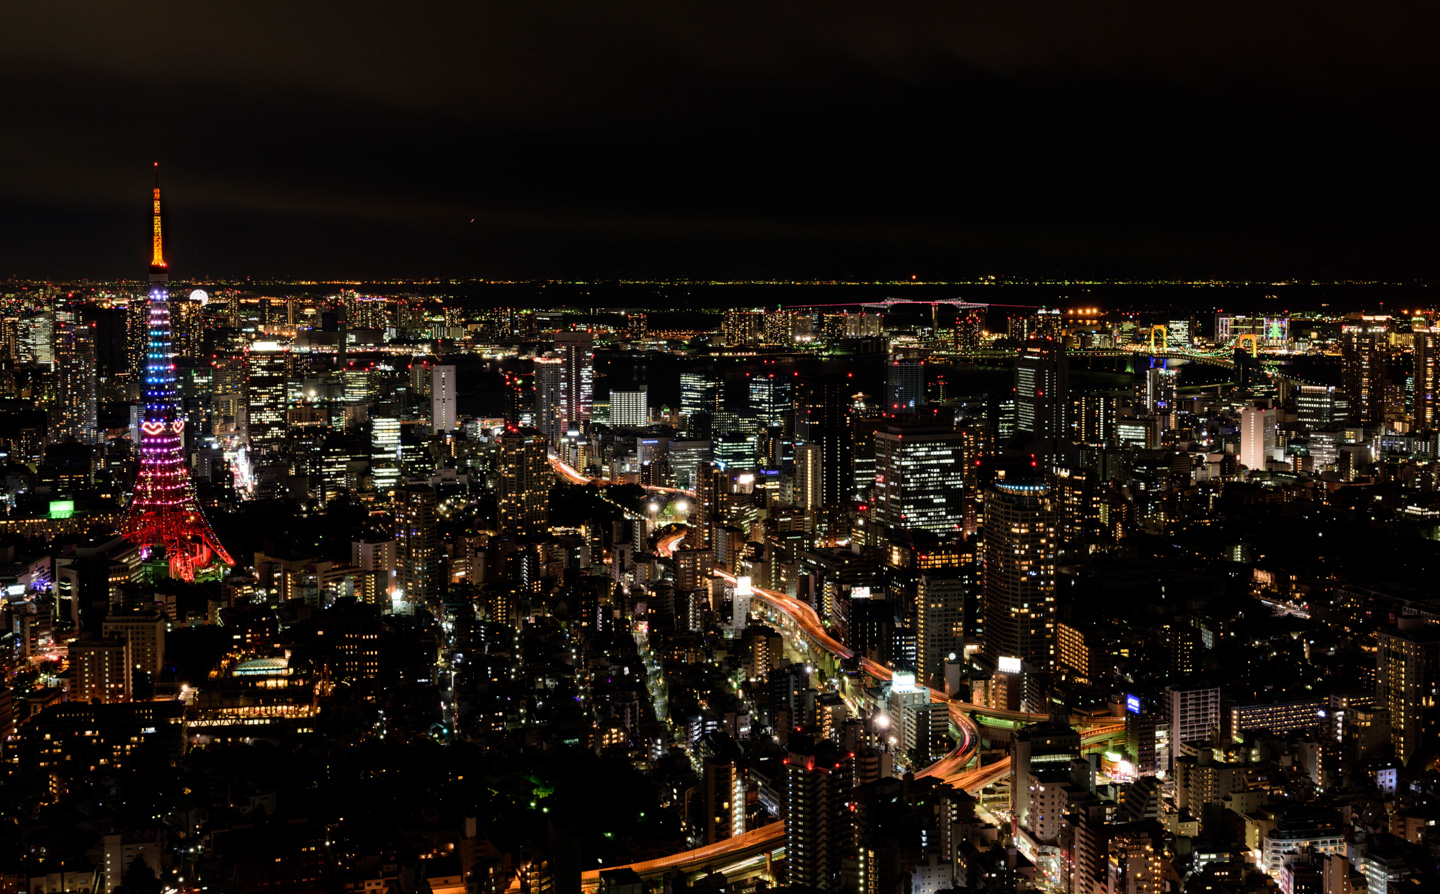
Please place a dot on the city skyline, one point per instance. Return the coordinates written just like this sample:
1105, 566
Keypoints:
788, 575
915, 450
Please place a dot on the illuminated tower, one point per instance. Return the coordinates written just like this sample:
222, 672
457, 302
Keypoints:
163, 511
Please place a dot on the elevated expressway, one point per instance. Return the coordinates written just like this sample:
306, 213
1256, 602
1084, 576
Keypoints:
570, 474
751, 852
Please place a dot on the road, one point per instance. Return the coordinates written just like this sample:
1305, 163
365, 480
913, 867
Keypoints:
803, 614
568, 472
667, 545
757, 842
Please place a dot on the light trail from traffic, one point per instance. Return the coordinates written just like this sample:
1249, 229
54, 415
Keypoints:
569, 473
666, 545
757, 842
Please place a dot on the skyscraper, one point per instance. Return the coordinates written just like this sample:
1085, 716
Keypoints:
415, 546
37, 340
76, 384
630, 409
699, 393
771, 399
1315, 404
1097, 419
523, 486
1042, 394
738, 329
904, 386
808, 463
724, 777
939, 621
1019, 547
1364, 358
920, 478
385, 453
577, 357
551, 397
1426, 413
818, 828
969, 329
1408, 684
189, 324
827, 407
442, 399
1193, 715
1257, 437
266, 381
163, 511
1160, 390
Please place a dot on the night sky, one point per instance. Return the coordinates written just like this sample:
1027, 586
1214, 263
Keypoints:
724, 140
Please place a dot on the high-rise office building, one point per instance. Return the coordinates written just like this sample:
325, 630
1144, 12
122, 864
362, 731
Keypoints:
1042, 394
826, 403
1020, 538
76, 384
37, 340
700, 392
771, 397
385, 453
1257, 437
266, 379
818, 827
630, 409
1315, 405
1364, 358
442, 399
523, 485
1408, 684
904, 386
920, 478
416, 552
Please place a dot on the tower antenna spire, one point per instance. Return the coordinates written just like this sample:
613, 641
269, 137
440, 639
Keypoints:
158, 273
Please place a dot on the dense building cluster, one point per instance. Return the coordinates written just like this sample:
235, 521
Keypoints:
896, 600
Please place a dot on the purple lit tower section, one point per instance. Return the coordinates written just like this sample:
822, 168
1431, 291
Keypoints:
163, 512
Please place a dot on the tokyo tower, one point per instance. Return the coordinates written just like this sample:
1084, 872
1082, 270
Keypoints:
163, 512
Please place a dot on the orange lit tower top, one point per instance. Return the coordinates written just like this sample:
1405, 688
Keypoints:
157, 254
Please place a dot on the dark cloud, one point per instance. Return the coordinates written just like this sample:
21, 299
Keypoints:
647, 139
